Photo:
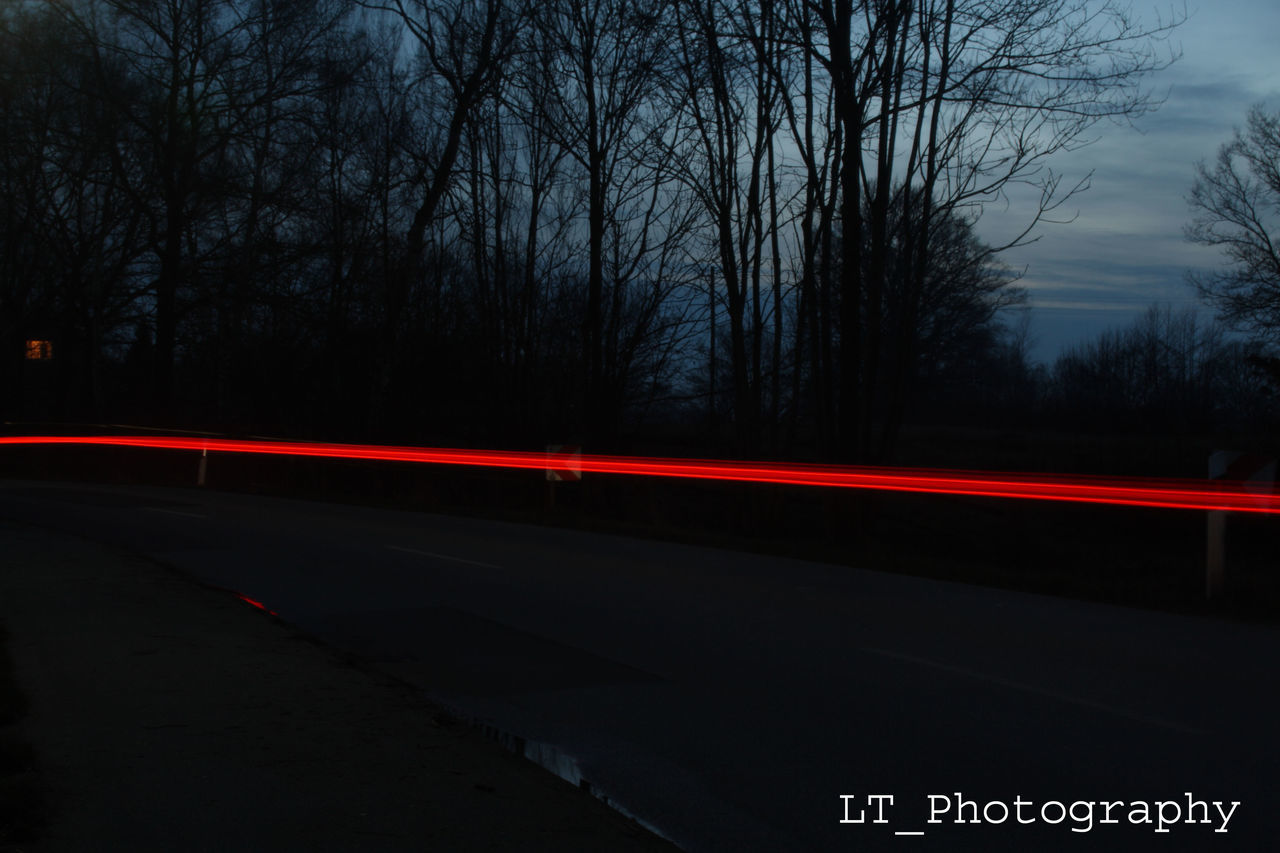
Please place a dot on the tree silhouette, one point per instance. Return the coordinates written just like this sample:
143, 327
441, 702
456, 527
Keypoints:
1237, 201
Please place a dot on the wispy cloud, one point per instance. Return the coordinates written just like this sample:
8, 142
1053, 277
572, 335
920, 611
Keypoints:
1126, 248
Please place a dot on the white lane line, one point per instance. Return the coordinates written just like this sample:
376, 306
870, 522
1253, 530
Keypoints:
1039, 691
436, 556
175, 512
912, 832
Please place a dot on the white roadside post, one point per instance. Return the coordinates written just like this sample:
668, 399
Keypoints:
1259, 474
563, 466
1215, 568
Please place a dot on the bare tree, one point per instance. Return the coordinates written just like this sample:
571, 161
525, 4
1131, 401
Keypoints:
1166, 370
169, 69
464, 47
728, 90
255, 287
604, 112
1238, 207
69, 234
808, 107
28, 99
960, 294
954, 103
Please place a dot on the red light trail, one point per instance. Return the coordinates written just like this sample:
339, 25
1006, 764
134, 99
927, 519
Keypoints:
258, 604
1167, 494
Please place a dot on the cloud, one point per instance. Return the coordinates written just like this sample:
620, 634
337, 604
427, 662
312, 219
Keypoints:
1126, 248
1058, 305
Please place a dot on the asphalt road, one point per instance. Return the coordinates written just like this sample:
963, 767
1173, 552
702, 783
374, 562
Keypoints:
736, 702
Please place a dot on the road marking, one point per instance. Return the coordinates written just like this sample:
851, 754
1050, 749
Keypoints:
175, 512
1039, 691
442, 556
912, 832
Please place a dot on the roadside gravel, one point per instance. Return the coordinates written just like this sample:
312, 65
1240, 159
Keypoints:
169, 716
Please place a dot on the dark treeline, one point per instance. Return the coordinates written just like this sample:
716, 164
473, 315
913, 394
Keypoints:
1168, 373
489, 221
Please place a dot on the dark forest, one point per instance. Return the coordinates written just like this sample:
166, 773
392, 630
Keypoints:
496, 223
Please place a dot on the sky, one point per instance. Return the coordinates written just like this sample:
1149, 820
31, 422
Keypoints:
1126, 249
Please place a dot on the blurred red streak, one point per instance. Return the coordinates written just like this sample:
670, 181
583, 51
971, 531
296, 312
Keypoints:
1169, 494
258, 604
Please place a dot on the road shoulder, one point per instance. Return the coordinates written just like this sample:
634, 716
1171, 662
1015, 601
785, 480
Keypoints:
167, 715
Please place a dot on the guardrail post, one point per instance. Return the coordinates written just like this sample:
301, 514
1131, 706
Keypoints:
1255, 474
1215, 560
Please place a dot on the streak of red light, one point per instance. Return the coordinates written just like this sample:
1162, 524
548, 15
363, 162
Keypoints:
258, 604
1168, 494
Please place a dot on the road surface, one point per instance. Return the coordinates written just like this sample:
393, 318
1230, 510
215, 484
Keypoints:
738, 702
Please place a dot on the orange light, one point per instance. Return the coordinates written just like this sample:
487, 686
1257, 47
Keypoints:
39, 350
1161, 493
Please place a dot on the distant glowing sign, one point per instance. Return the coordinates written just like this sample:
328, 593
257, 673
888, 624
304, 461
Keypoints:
1166, 494
39, 350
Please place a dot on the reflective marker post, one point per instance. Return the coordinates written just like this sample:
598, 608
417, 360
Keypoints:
1257, 474
1215, 560
563, 465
